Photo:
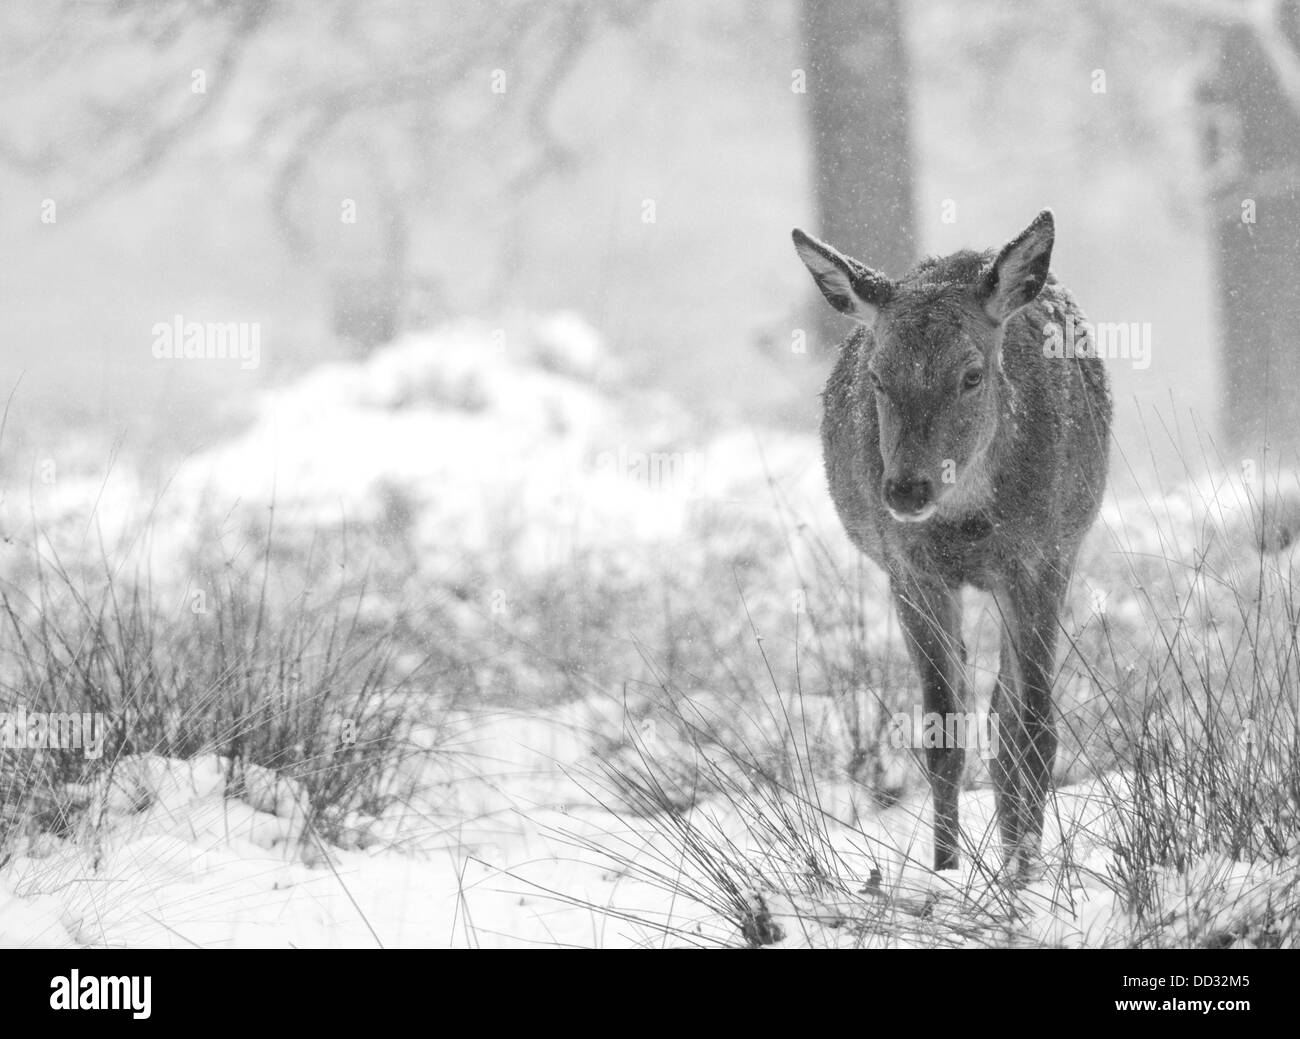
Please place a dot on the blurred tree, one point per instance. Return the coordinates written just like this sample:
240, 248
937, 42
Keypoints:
857, 83
1251, 104
332, 101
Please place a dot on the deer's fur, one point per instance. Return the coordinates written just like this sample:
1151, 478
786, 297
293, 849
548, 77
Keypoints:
946, 478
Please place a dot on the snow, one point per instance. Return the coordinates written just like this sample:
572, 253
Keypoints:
516, 448
512, 454
197, 868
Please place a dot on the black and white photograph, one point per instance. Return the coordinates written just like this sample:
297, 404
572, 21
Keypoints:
650, 474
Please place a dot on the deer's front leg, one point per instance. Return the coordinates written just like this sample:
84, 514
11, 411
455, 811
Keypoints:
931, 618
1030, 608
1005, 766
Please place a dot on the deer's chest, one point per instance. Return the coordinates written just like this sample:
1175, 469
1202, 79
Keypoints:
966, 551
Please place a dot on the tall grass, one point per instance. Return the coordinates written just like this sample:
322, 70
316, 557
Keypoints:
305, 688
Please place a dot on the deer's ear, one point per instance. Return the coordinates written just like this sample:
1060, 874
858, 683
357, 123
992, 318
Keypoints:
1019, 273
848, 286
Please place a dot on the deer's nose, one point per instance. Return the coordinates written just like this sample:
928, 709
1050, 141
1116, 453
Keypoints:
909, 494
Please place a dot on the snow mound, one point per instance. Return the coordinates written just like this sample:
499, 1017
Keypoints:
469, 443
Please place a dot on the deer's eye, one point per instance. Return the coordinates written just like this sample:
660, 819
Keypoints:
876, 384
972, 379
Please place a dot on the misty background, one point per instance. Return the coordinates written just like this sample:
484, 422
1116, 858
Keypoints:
639, 163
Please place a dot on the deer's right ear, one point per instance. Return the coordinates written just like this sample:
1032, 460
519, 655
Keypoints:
848, 286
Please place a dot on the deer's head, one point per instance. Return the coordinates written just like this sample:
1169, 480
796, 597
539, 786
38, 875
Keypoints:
934, 374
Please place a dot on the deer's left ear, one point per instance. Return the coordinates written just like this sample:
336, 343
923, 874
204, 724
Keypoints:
1019, 272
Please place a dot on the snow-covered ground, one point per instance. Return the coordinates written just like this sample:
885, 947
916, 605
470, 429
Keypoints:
500, 464
509, 860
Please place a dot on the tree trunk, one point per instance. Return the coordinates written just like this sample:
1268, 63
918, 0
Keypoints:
857, 85
1252, 143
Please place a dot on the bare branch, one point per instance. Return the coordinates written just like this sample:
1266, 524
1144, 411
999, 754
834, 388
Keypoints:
553, 154
1266, 22
162, 140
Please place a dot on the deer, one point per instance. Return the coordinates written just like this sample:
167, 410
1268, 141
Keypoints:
960, 451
